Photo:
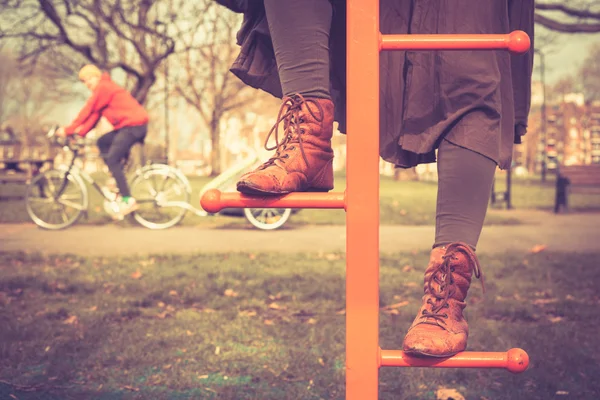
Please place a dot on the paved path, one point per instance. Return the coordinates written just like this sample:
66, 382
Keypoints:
565, 232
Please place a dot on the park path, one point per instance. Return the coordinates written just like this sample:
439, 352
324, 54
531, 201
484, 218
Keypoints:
563, 232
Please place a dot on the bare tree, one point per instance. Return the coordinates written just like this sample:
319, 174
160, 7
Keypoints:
27, 98
589, 74
133, 35
205, 82
574, 16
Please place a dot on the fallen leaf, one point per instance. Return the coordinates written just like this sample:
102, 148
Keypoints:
133, 389
71, 320
332, 257
162, 315
544, 301
555, 319
94, 308
208, 310
275, 306
269, 322
341, 312
47, 349
202, 376
136, 275
168, 366
538, 248
217, 350
562, 393
161, 304
396, 305
402, 212
278, 296
448, 394
321, 362
173, 293
407, 268
391, 312
252, 256
311, 321
230, 293
189, 333
247, 313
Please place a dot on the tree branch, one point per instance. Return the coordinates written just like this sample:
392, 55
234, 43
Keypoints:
566, 27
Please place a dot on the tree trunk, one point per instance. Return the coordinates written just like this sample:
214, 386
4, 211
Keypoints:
142, 87
215, 140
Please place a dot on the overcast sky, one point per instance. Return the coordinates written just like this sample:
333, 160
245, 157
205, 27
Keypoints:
567, 55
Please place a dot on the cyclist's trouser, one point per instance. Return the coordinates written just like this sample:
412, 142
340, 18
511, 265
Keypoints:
115, 147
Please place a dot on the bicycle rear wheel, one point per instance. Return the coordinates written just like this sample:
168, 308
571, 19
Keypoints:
56, 200
161, 196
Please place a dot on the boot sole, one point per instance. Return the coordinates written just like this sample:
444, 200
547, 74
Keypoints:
255, 191
427, 355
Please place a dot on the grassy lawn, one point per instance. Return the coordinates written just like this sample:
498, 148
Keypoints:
264, 326
402, 203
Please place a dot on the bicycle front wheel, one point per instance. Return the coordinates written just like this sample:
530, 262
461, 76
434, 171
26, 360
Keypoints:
161, 196
56, 199
267, 218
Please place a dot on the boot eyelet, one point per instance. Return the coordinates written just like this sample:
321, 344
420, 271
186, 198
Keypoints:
451, 269
445, 315
286, 156
302, 131
293, 148
424, 312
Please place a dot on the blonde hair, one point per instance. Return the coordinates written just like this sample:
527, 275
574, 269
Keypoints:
89, 71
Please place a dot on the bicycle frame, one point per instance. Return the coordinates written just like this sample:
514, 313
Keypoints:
77, 172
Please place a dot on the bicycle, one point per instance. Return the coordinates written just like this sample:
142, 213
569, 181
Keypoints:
58, 198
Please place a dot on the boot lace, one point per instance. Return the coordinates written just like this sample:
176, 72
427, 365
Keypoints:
443, 277
289, 114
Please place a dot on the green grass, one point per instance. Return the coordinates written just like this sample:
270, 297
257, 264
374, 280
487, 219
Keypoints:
267, 326
402, 203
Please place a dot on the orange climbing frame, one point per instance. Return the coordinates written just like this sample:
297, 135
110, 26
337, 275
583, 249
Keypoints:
364, 357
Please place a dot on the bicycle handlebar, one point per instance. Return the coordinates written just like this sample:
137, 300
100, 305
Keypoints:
73, 142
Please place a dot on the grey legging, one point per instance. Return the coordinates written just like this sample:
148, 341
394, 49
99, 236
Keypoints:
300, 34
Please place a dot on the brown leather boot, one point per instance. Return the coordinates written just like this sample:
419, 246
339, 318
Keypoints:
440, 330
303, 161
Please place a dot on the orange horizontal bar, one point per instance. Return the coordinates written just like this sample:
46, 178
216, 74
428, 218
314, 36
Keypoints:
214, 200
515, 360
515, 42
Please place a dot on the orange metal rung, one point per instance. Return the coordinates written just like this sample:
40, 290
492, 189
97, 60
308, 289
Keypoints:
515, 360
214, 200
516, 42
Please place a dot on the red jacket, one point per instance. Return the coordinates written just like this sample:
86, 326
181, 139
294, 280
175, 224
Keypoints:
111, 101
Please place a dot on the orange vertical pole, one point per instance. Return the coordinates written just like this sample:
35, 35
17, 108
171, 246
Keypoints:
362, 207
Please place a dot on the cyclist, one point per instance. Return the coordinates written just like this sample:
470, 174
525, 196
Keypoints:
128, 118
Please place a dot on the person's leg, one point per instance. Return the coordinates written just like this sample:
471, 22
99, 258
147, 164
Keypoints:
303, 160
300, 35
119, 149
464, 187
465, 181
104, 142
